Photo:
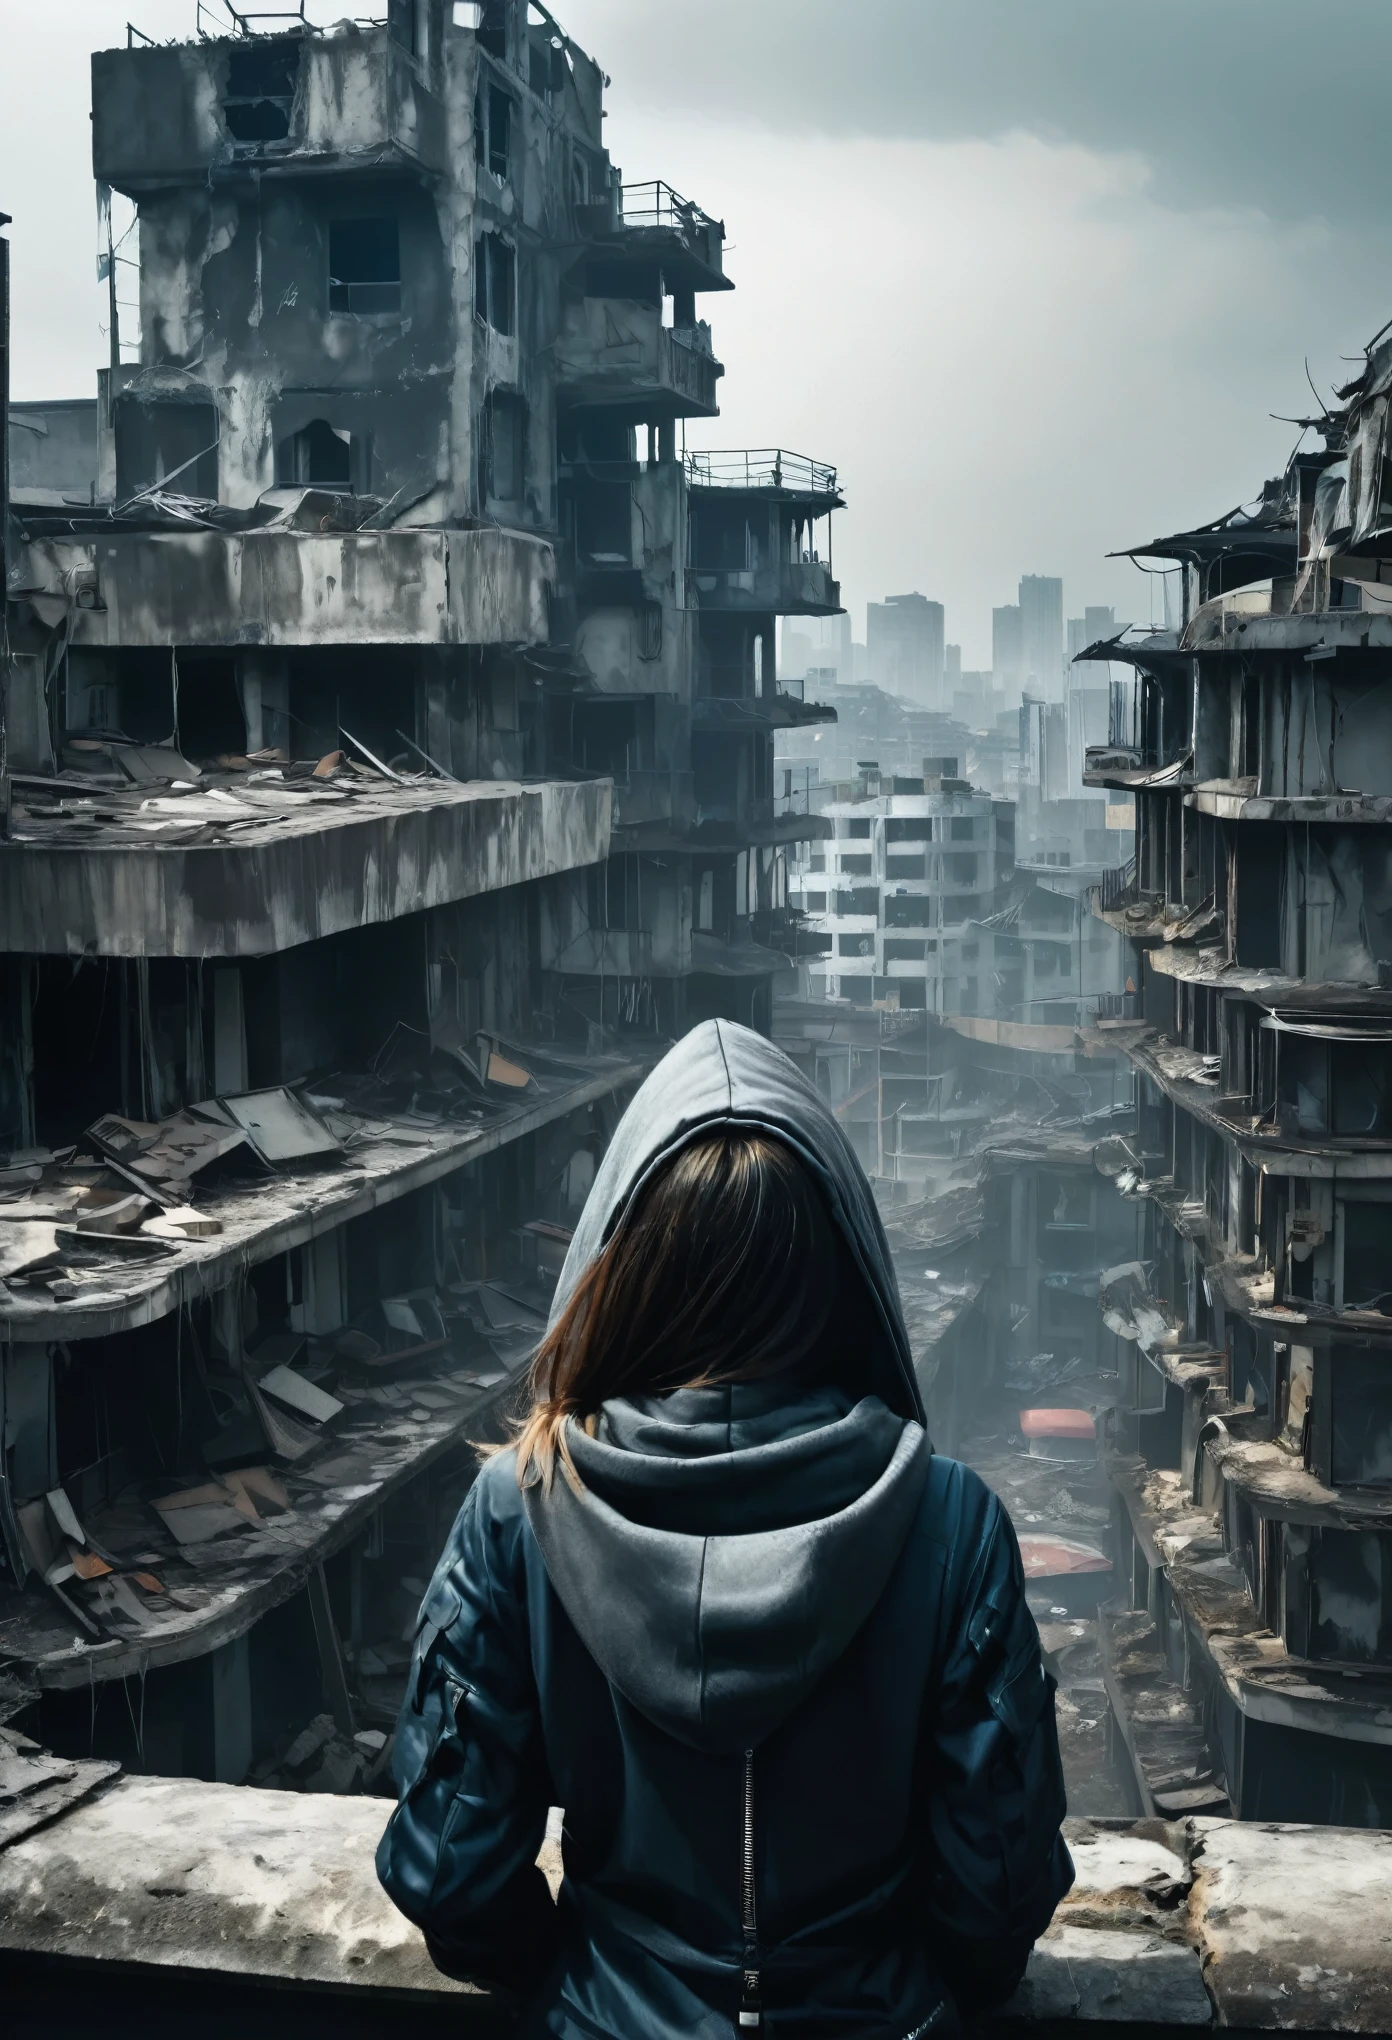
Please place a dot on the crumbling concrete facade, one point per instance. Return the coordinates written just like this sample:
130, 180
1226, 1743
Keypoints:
1252, 1468
389, 729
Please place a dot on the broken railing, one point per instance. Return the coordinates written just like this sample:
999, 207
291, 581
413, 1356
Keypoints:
655, 204
1118, 887
761, 468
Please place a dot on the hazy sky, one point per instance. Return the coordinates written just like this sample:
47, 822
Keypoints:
1032, 273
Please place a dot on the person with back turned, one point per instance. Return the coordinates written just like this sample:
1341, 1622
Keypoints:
724, 1605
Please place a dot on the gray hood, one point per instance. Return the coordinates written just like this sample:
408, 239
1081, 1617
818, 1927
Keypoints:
726, 1544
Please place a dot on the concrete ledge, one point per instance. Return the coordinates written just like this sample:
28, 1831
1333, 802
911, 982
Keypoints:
298, 867
1180, 1924
425, 586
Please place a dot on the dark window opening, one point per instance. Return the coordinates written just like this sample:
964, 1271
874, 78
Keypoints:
211, 722
608, 738
1258, 904
604, 523
319, 454
495, 283
261, 89
166, 443
857, 829
909, 829
616, 894
963, 829
861, 899
905, 867
401, 23
1367, 1276
908, 910
857, 867
502, 448
499, 131
1362, 1090
493, 29
904, 950
364, 266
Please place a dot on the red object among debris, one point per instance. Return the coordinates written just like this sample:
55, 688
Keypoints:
1056, 1424
1050, 1557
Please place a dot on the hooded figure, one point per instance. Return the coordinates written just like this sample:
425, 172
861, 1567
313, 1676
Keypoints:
768, 1651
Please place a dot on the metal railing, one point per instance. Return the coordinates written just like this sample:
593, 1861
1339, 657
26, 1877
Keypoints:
655, 204
761, 468
210, 25
1118, 1006
1118, 887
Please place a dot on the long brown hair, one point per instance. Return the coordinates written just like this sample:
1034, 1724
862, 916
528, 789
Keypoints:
726, 1267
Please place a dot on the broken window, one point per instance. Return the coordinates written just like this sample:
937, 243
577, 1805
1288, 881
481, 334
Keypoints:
857, 867
495, 283
861, 899
908, 910
319, 454
260, 92
364, 267
1367, 1278
502, 448
166, 442
905, 949
905, 867
499, 131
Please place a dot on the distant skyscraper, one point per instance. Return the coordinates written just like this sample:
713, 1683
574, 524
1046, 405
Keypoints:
1007, 645
1099, 624
904, 643
1041, 632
952, 665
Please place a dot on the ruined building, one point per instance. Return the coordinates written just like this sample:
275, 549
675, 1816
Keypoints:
390, 749
1253, 1448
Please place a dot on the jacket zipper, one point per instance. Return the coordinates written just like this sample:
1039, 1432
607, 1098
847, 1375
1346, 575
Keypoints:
751, 2015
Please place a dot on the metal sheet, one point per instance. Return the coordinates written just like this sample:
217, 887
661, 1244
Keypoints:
281, 1126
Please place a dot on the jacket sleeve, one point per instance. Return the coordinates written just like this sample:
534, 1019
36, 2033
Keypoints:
992, 1787
459, 1853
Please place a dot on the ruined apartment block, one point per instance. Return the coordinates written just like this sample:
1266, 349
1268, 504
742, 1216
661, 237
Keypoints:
390, 739
1254, 1464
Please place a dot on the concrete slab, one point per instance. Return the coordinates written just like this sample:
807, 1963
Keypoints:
1294, 1925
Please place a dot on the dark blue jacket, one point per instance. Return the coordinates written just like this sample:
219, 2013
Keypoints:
773, 1658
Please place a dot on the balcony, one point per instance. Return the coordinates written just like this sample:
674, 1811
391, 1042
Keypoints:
801, 587
275, 104
1131, 770
754, 547
642, 226
616, 355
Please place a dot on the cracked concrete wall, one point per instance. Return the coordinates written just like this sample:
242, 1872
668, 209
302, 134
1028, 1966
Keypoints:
482, 587
235, 259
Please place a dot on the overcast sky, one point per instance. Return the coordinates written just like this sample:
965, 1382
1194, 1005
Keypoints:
1032, 273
